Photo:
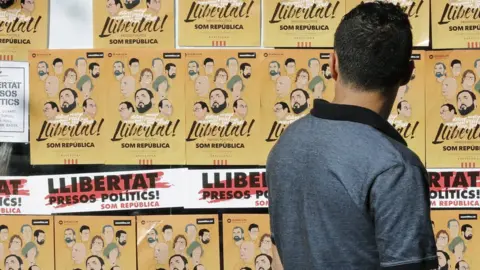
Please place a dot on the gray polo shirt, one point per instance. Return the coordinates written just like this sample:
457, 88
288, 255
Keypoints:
346, 193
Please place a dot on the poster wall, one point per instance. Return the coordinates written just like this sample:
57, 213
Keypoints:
87, 242
147, 107
67, 107
19, 197
455, 24
178, 242
307, 23
14, 94
27, 241
246, 240
23, 26
223, 107
454, 189
457, 245
134, 23
408, 111
225, 189
219, 23
453, 80
291, 80
418, 12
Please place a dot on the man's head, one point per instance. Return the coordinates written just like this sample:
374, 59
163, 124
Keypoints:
126, 110
440, 70
442, 238
13, 262
108, 232
39, 236
58, 66
302, 77
404, 109
373, 46
290, 66
209, 65
246, 70
178, 262
232, 65
152, 236
160, 253
253, 230
51, 85
236, 86
218, 100
283, 85
28, 5
81, 65
448, 112
42, 68
238, 234
50, 109
3, 232
171, 70
167, 231
240, 108
161, 86
134, 65
26, 231
443, 260
79, 252
456, 66
69, 235
314, 66
200, 110
466, 103
153, 5
462, 265
127, 85
274, 68
68, 100
95, 263
193, 68
129, 4
327, 73
114, 6
202, 86
85, 230
467, 231
263, 262
94, 69
146, 77
204, 236
4, 4
143, 100
468, 79
118, 68
449, 88
299, 100
157, 66
165, 107
281, 110
121, 237
221, 76
179, 243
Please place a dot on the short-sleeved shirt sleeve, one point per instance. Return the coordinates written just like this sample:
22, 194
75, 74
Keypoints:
400, 207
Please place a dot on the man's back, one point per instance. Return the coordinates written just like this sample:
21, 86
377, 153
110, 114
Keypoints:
345, 193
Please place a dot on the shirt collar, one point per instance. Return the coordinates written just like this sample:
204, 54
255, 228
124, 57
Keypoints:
325, 110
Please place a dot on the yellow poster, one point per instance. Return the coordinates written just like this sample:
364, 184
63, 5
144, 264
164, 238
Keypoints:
418, 12
290, 81
147, 111
223, 105
23, 26
408, 111
455, 24
27, 242
301, 23
247, 241
134, 23
67, 105
178, 242
219, 23
452, 92
458, 245
95, 243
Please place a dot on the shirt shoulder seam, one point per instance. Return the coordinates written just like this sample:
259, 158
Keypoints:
412, 261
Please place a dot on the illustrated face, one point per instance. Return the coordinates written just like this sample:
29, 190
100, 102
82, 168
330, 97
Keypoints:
4, 234
58, 67
94, 264
406, 109
87, 89
192, 69
29, 5
97, 245
27, 234
147, 78
327, 73
199, 112
90, 110
439, 71
206, 237
151, 236
180, 244
51, 86
108, 235
217, 101
112, 8
456, 70
458, 251
290, 68
283, 85
221, 78
314, 67
176, 263
202, 85
154, 5
118, 67
168, 234
69, 236
247, 251
172, 72
254, 231
465, 105
12, 263
127, 86
78, 253
442, 261
134, 67
191, 231
463, 266
49, 112
449, 88
95, 72
468, 234
123, 239
209, 68
162, 90
401, 92
242, 108
442, 240
42, 69
237, 235
262, 263
142, 99
196, 254
67, 101
82, 66
302, 78
446, 114
161, 253
468, 80
318, 90
16, 244
298, 101
158, 66
31, 254
266, 243
125, 112
113, 255
232, 67
71, 77
40, 238
280, 112
237, 90
247, 72
167, 108
274, 69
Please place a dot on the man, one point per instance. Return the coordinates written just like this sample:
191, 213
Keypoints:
447, 112
129, 4
127, 86
218, 100
118, 70
404, 110
81, 65
3, 233
449, 89
85, 233
274, 70
95, 263
232, 66
220, 79
69, 237
108, 233
456, 66
157, 66
152, 238
327, 74
236, 86
178, 262
52, 84
143, 100
146, 78
281, 110
282, 86
79, 253
317, 86
50, 110
58, 66
165, 107
13, 262
253, 231
153, 6
68, 100
442, 238
314, 66
440, 72
85, 86
466, 102
347, 163
200, 110
204, 236
191, 231
39, 236
167, 231
171, 70
458, 248
42, 70
126, 110
467, 232
134, 65
247, 252
193, 70
302, 78
121, 237
263, 262
94, 69
209, 66
246, 70
468, 80
202, 86
240, 108
443, 260
290, 66
179, 244
4, 4
114, 7
160, 253
238, 236
161, 86
299, 101
462, 265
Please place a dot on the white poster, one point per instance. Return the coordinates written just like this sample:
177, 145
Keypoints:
14, 86
459, 189
20, 196
239, 188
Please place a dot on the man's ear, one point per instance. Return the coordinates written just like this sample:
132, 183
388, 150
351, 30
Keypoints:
334, 65
408, 75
